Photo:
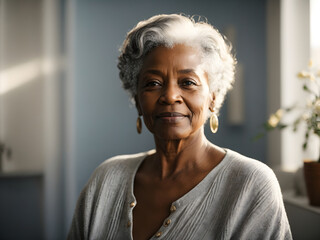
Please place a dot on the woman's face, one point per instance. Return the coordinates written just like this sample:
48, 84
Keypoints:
173, 93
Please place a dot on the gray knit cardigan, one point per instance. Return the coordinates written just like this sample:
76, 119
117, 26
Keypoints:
239, 199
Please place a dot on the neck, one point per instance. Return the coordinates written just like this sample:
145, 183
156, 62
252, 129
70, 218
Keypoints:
174, 156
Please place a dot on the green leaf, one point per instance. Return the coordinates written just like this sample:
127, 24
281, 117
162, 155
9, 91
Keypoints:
305, 87
317, 132
282, 126
305, 145
306, 138
296, 123
258, 136
288, 109
268, 127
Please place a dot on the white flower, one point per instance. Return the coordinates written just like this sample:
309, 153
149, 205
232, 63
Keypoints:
305, 116
317, 107
274, 119
303, 74
309, 104
279, 113
306, 75
310, 112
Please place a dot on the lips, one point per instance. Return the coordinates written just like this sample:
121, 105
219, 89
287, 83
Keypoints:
170, 114
172, 117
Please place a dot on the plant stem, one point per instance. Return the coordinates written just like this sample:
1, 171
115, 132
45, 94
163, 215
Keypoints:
319, 157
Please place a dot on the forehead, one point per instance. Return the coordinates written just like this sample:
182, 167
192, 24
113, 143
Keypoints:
179, 56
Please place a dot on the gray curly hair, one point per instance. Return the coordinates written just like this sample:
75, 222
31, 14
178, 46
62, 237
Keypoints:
168, 30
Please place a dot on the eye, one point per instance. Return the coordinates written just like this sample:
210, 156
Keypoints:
188, 82
152, 83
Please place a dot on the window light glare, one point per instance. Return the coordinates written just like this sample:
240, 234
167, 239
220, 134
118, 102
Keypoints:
314, 29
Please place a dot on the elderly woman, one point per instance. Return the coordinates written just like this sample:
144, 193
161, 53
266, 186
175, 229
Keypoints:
178, 71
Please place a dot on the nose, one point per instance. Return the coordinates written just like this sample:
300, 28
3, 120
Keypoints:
170, 94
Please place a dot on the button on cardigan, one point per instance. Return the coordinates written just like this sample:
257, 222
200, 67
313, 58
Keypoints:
239, 199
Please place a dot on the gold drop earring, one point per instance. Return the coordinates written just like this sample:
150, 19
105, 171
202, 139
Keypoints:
214, 122
139, 125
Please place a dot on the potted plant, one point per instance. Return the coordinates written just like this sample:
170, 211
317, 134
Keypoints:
310, 115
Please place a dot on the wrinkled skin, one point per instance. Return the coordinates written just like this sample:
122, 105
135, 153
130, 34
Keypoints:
173, 98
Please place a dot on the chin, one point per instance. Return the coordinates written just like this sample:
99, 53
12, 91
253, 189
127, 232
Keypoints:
172, 134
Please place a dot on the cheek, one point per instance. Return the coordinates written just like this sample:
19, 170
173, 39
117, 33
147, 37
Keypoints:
146, 104
200, 105
147, 108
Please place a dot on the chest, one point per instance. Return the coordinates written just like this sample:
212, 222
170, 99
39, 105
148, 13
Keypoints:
155, 204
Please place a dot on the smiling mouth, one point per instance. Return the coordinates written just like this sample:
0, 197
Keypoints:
171, 117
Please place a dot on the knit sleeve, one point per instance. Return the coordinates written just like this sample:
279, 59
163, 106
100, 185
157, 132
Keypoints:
80, 225
267, 218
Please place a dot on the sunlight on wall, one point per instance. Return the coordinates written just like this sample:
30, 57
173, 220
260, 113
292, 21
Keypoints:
315, 31
315, 56
300, 43
295, 54
16, 76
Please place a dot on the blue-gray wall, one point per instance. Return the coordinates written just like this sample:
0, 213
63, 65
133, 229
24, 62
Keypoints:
21, 207
104, 122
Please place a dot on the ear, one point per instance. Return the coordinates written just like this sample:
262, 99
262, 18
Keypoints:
212, 102
138, 105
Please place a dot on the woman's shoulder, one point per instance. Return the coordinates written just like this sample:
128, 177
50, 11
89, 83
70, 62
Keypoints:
250, 170
116, 170
252, 177
121, 164
249, 165
254, 187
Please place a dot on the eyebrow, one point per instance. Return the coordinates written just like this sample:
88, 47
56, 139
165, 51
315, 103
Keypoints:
189, 70
183, 71
154, 71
